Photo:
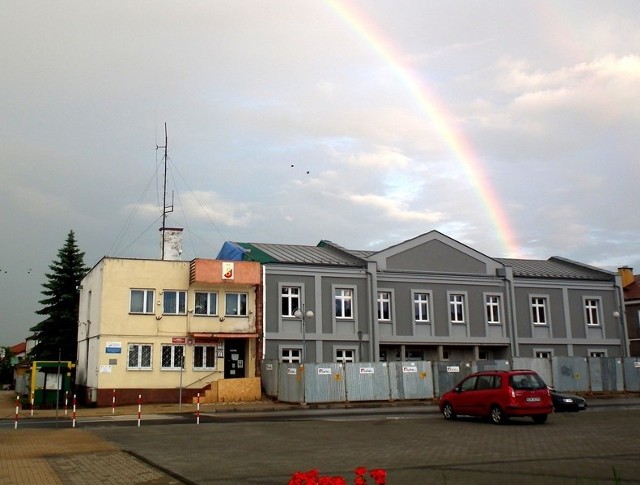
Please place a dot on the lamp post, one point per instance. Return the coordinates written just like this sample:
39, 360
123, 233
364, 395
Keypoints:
617, 315
302, 315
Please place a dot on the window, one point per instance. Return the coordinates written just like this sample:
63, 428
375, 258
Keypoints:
139, 357
290, 300
421, 307
345, 355
492, 306
291, 356
456, 308
597, 353
204, 357
206, 303
141, 301
469, 384
236, 304
384, 305
543, 354
592, 311
539, 310
175, 302
172, 357
344, 300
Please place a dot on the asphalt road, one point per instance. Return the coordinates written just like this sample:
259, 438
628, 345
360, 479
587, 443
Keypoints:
585, 448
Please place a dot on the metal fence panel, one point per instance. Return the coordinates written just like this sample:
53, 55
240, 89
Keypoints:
632, 374
605, 374
269, 377
291, 383
541, 366
324, 383
448, 374
482, 365
570, 374
410, 380
367, 381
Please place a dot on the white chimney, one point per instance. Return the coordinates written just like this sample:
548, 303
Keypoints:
172, 243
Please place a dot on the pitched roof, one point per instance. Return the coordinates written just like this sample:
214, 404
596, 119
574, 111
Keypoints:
632, 290
17, 349
555, 268
299, 254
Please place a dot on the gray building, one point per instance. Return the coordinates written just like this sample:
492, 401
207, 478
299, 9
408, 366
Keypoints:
430, 298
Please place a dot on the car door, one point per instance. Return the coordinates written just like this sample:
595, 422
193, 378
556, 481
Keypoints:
464, 401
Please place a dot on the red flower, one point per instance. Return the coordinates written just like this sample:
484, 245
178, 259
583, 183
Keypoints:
360, 471
379, 475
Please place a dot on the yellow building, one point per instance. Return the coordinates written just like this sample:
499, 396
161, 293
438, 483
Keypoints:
166, 330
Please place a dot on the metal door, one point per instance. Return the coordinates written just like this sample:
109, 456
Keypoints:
234, 358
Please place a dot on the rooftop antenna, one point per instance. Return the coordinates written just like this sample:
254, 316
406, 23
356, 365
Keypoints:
165, 208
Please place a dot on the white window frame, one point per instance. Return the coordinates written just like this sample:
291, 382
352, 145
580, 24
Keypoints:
174, 365
209, 310
421, 307
179, 304
384, 306
537, 353
148, 300
591, 353
457, 308
493, 308
344, 301
291, 355
139, 352
538, 303
239, 297
290, 300
592, 311
206, 350
340, 354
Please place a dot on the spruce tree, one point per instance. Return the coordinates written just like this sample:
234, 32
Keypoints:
57, 334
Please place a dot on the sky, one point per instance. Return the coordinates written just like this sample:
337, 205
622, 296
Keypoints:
513, 127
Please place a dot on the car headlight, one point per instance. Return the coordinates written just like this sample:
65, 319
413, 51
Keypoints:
567, 399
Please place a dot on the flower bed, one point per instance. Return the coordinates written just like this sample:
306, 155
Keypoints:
312, 477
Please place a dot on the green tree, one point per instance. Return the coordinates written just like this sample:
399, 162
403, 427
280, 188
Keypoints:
57, 334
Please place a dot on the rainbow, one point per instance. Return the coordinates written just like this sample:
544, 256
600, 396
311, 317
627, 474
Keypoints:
438, 116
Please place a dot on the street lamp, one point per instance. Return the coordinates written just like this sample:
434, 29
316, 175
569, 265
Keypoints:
302, 315
617, 315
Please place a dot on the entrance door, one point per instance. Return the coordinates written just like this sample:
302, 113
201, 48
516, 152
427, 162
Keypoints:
234, 361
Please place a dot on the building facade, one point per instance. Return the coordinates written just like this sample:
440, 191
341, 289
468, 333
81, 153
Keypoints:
430, 298
631, 285
166, 329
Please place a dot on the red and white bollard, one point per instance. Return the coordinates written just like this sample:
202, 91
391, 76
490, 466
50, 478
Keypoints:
73, 415
17, 412
139, 408
66, 402
113, 402
198, 409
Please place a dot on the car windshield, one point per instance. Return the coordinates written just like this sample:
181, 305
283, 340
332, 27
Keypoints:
526, 382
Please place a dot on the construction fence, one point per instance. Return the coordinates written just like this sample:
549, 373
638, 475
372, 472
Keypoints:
395, 381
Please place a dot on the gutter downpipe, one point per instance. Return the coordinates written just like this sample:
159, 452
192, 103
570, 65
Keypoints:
511, 299
264, 313
374, 343
624, 336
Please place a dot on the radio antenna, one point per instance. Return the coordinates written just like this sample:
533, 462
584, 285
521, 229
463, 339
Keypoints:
165, 208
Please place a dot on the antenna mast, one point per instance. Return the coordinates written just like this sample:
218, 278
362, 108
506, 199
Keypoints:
165, 209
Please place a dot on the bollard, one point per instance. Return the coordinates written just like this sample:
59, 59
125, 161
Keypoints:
198, 409
139, 408
32, 402
66, 402
17, 412
73, 415
113, 402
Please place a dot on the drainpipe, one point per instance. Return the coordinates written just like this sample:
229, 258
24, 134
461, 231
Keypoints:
622, 317
372, 290
511, 309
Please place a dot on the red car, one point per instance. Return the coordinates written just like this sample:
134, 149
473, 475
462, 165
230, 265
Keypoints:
499, 395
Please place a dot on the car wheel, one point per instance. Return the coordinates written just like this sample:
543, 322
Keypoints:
540, 418
498, 416
448, 412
